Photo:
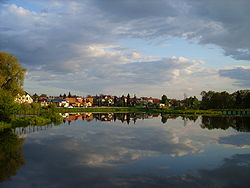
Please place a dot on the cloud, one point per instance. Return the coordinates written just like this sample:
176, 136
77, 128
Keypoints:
79, 41
240, 74
237, 141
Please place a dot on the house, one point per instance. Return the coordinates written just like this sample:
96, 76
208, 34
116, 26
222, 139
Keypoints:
60, 102
75, 102
43, 101
25, 98
71, 101
88, 101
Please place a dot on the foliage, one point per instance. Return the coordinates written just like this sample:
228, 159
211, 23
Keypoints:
191, 103
11, 154
53, 117
11, 73
4, 125
239, 123
224, 100
35, 97
164, 100
7, 105
30, 120
36, 107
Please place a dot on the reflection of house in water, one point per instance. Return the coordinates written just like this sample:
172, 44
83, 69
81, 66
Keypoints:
87, 116
73, 117
104, 116
123, 117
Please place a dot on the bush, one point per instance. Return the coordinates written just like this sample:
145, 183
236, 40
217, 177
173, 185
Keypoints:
4, 125
34, 121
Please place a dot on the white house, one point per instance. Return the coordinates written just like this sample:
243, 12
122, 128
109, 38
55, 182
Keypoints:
26, 98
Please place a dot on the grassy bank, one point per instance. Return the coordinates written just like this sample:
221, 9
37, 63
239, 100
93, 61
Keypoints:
43, 119
102, 109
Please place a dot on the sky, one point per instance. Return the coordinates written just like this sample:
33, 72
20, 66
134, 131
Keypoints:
116, 47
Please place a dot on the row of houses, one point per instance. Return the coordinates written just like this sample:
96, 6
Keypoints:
76, 101
67, 102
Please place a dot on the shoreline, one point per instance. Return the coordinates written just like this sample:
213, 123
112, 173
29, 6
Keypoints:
36, 120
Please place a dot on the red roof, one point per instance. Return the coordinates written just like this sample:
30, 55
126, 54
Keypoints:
71, 100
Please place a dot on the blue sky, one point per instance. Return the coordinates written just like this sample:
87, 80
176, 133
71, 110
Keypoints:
139, 47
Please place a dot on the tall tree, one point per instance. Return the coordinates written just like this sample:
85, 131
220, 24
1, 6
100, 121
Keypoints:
128, 100
164, 99
11, 73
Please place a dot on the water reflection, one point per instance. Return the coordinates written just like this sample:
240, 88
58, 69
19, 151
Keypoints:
123, 117
239, 123
136, 150
11, 154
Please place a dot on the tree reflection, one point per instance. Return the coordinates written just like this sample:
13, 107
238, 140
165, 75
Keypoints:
164, 118
11, 154
190, 118
238, 123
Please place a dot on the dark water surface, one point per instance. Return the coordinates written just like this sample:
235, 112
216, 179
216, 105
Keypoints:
128, 150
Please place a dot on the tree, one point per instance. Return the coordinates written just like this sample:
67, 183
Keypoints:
115, 101
11, 73
164, 100
69, 95
128, 100
35, 107
35, 97
7, 105
26, 107
43, 95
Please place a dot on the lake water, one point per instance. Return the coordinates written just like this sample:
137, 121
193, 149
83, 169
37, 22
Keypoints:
128, 150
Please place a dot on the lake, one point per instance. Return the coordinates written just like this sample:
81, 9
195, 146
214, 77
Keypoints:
128, 150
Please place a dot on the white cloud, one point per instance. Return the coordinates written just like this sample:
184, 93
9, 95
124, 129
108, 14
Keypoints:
78, 42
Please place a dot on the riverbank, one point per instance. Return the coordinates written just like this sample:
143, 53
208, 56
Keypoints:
36, 120
52, 116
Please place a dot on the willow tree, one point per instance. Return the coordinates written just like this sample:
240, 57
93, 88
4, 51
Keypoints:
11, 74
11, 82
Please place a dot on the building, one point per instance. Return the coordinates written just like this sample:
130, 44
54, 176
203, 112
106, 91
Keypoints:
26, 98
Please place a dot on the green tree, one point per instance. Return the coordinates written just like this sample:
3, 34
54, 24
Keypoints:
35, 108
26, 108
7, 105
164, 100
11, 73
128, 100
43, 95
35, 97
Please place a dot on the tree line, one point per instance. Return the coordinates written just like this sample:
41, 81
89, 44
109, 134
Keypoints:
224, 100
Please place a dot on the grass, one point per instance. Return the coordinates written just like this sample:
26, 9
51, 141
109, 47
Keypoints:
102, 109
